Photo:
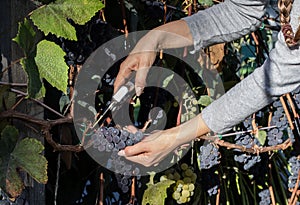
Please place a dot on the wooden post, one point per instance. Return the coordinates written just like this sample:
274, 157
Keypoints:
12, 12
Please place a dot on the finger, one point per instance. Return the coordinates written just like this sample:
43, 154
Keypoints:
131, 128
140, 80
133, 150
141, 159
126, 68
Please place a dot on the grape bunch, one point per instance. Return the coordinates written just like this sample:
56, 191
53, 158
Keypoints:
247, 159
279, 119
265, 198
209, 156
185, 178
294, 164
112, 140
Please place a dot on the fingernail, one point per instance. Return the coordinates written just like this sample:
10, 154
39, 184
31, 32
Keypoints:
121, 153
138, 90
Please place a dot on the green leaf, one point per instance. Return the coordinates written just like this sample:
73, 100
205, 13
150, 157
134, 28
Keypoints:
27, 155
8, 140
35, 87
25, 37
64, 100
51, 64
156, 193
8, 178
167, 80
7, 98
205, 100
52, 18
24, 155
261, 136
206, 2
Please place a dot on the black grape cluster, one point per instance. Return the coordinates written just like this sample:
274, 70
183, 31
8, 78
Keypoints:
112, 140
213, 190
265, 198
247, 159
275, 135
209, 156
185, 178
294, 164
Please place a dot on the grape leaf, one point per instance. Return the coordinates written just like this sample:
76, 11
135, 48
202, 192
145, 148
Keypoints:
52, 18
51, 64
9, 180
156, 193
25, 37
35, 87
206, 2
25, 155
7, 98
261, 136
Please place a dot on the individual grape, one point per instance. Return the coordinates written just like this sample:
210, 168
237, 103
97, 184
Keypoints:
101, 147
176, 195
116, 139
191, 187
184, 166
121, 145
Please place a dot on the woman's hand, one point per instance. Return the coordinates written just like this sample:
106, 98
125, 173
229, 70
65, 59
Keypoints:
158, 145
152, 149
171, 35
137, 61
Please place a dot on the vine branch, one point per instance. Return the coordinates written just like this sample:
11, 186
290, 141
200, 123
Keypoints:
253, 150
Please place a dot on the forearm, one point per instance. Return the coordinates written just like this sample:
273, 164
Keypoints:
189, 130
175, 34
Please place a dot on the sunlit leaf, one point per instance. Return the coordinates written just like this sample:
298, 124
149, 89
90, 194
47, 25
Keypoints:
261, 136
156, 193
51, 64
52, 18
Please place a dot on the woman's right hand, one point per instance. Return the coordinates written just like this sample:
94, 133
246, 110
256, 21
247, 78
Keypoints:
171, 35
139, 61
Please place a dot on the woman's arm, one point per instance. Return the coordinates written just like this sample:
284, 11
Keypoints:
225, 22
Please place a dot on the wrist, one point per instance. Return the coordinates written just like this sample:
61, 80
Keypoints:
190, 130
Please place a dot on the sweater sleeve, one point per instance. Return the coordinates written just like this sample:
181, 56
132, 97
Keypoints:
279, 74
225, 22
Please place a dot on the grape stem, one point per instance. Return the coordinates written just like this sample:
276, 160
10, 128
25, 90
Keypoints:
101, 178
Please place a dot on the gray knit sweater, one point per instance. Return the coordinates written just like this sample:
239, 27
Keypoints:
279, 74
